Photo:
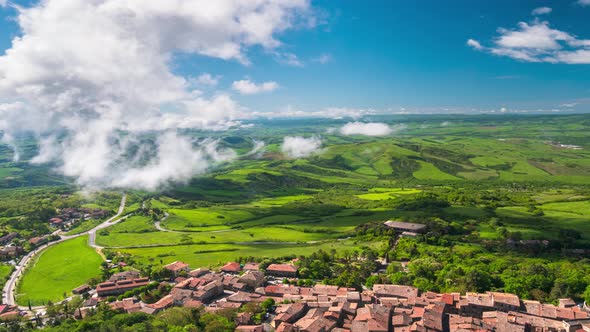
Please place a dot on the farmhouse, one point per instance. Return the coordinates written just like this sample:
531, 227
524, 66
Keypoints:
282, 270
253, 279
8, 312
125, 275
8, 237
56, 221
177, 267
81, 289
37, 241
405, 226
198, 272
11, 252
120, 287
231, 267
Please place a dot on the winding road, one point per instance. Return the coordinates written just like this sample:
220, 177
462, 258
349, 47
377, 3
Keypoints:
9, 288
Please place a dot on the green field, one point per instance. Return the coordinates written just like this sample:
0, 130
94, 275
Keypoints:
217, 255
377, 194
58, 270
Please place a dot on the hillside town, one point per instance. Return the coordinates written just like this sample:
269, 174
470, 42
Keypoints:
319, 308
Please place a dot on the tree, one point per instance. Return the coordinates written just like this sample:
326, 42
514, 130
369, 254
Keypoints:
267, 305
586, 295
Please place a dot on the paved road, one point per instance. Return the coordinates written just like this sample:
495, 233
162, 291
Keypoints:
9, 287
113, 220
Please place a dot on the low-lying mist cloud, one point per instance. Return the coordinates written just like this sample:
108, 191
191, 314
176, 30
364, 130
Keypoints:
93, 81
301, 147
369, 129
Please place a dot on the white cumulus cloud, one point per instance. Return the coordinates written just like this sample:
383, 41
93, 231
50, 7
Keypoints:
94, 79
538, 42
366, 129
301, 147
247, 87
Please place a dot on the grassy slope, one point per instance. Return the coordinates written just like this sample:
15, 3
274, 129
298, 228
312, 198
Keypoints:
58, 270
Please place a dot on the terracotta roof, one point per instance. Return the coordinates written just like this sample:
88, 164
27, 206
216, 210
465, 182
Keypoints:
81, 289
231, 267
282, 268
505, 298
395, 291
176, 266
249, 328
285, 327
163, 303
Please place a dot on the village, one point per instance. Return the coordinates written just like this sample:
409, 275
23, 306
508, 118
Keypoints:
319, 308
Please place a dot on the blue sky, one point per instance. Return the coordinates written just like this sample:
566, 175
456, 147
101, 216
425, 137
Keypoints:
413, 55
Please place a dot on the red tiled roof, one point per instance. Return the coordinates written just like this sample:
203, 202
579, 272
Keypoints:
176, 266
231, 267
282, 268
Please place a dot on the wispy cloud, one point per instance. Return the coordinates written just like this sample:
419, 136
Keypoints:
583, 2
537, 42
474, 43
569, 105
542, 11
288, 59
206, 79
323, 58
247, 87
291, 111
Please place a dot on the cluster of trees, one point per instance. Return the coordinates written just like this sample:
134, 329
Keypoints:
467, 267
171, 320
65, 317
347, 269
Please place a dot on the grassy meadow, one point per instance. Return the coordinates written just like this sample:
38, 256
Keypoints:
58, 270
